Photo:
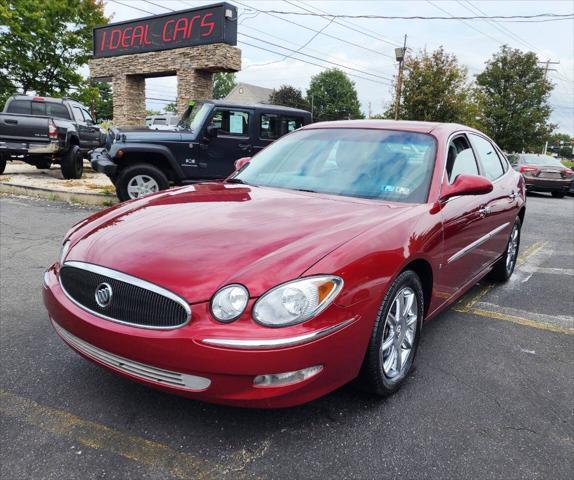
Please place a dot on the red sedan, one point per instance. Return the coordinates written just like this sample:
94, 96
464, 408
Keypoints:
314, 264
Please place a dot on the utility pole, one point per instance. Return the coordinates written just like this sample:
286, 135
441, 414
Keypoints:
547, 68
400, 54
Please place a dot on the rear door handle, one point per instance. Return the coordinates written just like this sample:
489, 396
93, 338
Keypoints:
513, 195
244, 146
484, 211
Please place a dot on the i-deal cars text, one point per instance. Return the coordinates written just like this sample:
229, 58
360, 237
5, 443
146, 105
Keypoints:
317, 262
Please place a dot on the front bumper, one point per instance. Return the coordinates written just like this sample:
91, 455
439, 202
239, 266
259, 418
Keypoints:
102, 162
216, 374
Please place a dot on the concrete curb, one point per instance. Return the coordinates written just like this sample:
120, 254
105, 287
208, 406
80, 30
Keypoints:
61, 195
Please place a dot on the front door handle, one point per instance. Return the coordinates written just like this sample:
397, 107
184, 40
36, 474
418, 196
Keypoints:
513, 195
484, 211
11, 122
244, 146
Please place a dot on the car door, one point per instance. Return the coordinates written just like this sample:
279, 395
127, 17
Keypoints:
233, 140
464, 228
502, 203
82, 127
93, 132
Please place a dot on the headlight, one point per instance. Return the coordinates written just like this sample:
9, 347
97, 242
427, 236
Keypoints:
229, 302
296, 301
64, 251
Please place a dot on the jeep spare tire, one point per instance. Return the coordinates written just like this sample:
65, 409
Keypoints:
136, 181
72, 163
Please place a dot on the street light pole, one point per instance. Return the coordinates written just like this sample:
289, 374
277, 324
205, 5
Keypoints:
400, 54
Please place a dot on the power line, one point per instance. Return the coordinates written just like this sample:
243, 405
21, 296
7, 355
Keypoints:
131, 6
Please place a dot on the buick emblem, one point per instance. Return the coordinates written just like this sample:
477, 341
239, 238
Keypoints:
103, 295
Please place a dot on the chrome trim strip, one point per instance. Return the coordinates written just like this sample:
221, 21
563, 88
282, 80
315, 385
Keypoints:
131, 367
124, 277
261, 344
476, 243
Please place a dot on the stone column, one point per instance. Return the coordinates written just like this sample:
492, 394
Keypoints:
193, 84
129, 99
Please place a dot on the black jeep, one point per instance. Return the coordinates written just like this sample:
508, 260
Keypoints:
210, 136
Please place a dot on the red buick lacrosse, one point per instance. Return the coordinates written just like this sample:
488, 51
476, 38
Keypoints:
316, 263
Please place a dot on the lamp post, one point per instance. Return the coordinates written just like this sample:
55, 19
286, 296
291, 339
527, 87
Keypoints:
400, 54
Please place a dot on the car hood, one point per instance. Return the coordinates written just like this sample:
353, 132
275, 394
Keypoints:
144, 134
193, 240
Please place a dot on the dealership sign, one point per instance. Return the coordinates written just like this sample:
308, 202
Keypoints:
185, 28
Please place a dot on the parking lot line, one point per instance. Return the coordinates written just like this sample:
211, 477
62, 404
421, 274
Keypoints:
98, 436
521, 321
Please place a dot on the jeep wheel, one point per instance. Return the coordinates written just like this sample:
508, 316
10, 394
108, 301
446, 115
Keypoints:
72, 163
2, 164
139, 180
43, 163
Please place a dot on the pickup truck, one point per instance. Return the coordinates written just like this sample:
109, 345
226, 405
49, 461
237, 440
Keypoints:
42, 130
209, 138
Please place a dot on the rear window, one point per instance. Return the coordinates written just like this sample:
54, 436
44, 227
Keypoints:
19, 106
273, 126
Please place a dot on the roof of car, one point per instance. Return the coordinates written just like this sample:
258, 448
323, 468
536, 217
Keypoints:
43, 99
413, 126
260, 106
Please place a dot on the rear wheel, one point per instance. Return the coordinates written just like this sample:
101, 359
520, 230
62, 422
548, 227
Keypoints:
395, 338
139, 180
43, 163
72, 163
504, 267
558, 194
2, 164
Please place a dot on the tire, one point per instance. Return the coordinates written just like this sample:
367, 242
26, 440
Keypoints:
43, 163
72, 163
3, 162
504, 267
558, 194
375, 377
139, 180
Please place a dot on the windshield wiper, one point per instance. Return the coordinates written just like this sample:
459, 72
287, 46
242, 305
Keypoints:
304, 190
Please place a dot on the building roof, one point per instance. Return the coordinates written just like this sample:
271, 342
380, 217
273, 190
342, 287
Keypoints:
247, 93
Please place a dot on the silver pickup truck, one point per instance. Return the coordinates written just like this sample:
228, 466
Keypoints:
42, 131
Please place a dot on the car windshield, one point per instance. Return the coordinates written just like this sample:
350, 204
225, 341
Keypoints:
541, 160
194, 117
365, 163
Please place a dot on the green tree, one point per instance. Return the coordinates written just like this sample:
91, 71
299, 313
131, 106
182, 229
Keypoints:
289, 96
151, 112
170, 107
45, 42
435, 88
223, 83
97, 97
562, 144
513, 96
333, 96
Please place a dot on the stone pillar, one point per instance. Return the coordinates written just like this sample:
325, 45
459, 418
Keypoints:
129, 99
193, 85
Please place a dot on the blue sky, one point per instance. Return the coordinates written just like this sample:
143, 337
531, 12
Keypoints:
473, 42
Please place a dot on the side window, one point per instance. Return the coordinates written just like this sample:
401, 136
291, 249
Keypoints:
231, 122
57, 110
488, 157
78, 114
19, 106
288, 124
87, 116
38, 108
460, 159
503, 160
269, 126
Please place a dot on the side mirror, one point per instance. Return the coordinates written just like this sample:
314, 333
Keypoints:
241, 162
467, 185
211, 131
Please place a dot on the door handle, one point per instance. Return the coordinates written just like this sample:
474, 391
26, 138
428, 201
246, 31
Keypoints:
11, 122
244, 146
484, 211
513, 195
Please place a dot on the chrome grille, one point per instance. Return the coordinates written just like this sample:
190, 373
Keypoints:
132, 301
136, 369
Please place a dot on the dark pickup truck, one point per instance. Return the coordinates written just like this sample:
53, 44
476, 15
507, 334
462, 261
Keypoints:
209, 138
41, 131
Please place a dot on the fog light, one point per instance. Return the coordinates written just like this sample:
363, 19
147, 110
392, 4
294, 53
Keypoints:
286, 378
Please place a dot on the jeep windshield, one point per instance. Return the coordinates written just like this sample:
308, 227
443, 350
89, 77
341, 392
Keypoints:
366, 163
194, 116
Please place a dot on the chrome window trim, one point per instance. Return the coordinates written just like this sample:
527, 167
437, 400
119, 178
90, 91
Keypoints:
262, 344
124, 277
476, 243
139, 370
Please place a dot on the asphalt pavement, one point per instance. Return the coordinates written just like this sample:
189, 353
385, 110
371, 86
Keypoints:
492, 394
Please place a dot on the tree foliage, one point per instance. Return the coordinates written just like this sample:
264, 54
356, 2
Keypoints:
223, 83
98, 98
289, 96
170, 108
513, 98
44, 43
435, 88
333, 96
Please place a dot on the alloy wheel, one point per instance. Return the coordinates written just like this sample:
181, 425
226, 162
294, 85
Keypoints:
141, 185
399, 333
512, 249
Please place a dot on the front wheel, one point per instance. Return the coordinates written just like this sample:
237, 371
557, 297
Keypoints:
558, 194
72, 163
504, 267
395, 338
139, 180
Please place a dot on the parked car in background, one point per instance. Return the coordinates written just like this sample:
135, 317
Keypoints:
543, 173
44, 130
210, 136
162, 122
314, 264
